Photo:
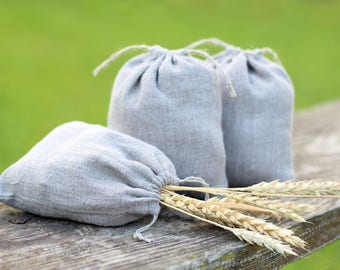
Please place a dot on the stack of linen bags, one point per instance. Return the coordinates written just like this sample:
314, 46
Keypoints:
174, 119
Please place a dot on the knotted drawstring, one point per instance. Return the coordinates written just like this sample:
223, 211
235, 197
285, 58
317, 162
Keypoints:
272, 53
215, 65
116, 55
138, 234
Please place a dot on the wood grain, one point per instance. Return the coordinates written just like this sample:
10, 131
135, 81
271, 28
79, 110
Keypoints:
31, 242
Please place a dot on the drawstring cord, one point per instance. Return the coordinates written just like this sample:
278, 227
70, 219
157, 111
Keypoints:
230, 87
138, 234
213, 41
117, 54
272, 53
218, 42
225, 46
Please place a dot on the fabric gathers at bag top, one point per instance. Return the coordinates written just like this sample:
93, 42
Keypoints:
90, 174
257, 124
172, 100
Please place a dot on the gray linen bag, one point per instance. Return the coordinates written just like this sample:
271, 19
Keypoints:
257, 124
90, 174
173, 101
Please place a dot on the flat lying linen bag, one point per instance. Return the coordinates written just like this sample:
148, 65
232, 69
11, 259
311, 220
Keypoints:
172, 101
257, 124
91, 174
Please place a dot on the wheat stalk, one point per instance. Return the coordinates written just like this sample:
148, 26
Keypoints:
303, 189
244, 235
314, 188
225, 212
232, 218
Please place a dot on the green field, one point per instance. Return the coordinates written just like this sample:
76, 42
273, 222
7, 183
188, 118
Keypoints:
49, 48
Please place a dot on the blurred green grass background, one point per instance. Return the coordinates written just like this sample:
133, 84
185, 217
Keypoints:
49, 48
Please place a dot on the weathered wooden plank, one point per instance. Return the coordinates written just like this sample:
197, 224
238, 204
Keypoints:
177, 244
317, 142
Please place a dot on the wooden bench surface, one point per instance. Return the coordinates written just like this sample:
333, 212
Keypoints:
45, 243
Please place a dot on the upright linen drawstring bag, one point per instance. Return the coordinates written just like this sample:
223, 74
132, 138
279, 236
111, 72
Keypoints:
172, 100
90, 174
257, 124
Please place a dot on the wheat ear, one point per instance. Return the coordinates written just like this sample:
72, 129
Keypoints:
244, 235
254, 224
239, 205
233, 218
289, 210
315, 188
262, 240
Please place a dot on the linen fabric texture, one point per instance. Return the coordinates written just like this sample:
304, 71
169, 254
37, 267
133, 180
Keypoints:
90, 174
257, 124
173, 101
